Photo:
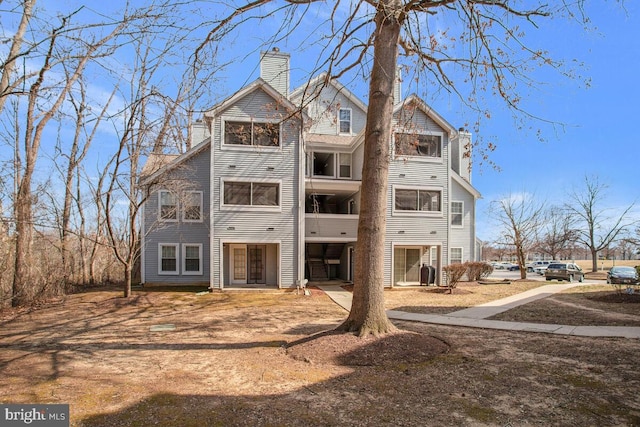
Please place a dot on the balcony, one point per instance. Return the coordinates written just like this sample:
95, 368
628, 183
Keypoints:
331, 227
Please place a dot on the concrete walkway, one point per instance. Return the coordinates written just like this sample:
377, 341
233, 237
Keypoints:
476, 317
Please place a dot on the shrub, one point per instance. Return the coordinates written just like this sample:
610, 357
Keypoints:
453, 274
478, 270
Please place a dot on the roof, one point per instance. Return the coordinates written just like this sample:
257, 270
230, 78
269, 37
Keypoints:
428, 110
255, 85
466, 185
159, 164
323, 80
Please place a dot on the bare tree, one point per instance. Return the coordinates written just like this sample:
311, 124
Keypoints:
485, 51
520, 217
148, 125
595, 227
9, 63
76, 58
558, 233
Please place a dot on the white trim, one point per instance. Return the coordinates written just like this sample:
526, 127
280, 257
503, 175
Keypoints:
418, 159
177, 211
184, 211
350, 132
162, 272
452, 213
420, 213
251, 208
184, 259
251, 147
339, 164
451, 254
330, 239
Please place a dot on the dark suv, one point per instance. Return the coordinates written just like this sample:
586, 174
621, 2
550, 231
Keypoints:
564, 271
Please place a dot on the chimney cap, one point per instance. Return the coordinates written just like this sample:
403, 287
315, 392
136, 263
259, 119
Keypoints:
276, 49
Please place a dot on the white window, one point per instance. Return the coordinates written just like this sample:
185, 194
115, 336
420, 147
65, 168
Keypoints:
248, 133
456, 256
457, 214
345, 165
167, 205
192, 259
167, 258
344, 121
192, 206
247, 193
418, 145
417, 200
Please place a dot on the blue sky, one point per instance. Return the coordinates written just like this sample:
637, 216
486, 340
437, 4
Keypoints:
594, 132
599, 138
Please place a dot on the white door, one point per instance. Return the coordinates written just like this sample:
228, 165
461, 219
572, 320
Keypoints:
238, 264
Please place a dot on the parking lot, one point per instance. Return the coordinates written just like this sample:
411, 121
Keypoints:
514, 275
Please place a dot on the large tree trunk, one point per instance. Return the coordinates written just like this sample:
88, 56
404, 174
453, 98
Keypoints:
22, 292
368, 315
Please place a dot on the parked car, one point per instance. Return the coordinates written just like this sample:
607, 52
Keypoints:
531, 267
541, 269
505, 266
564, 271
621, 275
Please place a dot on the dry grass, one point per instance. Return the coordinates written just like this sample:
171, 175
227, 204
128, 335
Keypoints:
432, 300
583, 305
226, 364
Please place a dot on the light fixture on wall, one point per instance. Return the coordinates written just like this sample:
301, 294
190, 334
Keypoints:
231, 228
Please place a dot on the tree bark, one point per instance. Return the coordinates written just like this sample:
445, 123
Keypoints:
368, 315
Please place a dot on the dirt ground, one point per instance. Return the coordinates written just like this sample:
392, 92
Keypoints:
270, 359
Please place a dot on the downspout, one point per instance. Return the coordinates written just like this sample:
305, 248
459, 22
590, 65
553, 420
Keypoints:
211, 209
301, 192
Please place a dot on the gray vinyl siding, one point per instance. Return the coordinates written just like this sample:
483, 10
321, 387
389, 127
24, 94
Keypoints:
418, 230
464, 237
192, 175
281, 165
325, 112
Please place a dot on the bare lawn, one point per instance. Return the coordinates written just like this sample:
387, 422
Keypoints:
173, 358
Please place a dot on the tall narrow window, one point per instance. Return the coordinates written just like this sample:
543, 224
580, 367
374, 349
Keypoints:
168, 206
192, 258
168, 258
345, 120
457, 214
456, 256
192, 206
345, 165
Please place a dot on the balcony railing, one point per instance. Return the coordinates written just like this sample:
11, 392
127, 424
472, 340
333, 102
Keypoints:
331, 227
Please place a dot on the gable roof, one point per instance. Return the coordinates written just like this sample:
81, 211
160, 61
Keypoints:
159, 164
259, 83
324, 80
466, 185
428, 110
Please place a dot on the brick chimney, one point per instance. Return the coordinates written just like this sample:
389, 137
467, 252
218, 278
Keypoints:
274, 69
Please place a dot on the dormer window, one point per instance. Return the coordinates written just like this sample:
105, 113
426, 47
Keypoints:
344, 121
